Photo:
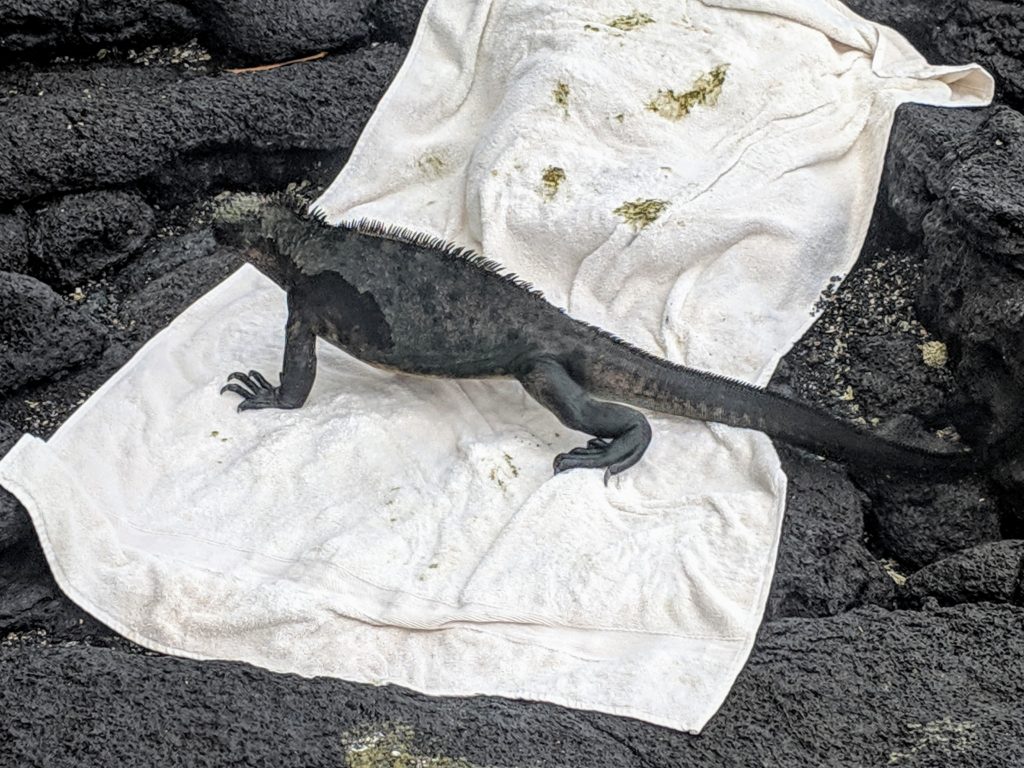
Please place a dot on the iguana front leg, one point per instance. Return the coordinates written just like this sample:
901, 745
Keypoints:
622, 434
297, 375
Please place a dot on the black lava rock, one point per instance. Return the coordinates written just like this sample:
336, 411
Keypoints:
40, 335
28, 24
397, 19
9, 435
823, 567
79, 236
135, 22
867, 688
893, 377
986, 573
193, 176
14, 241
265, 31
918, 523
960, 187
29, 597
172, 274
979, 187
29, 27
64, 141
990, 32
921, 149
15, 526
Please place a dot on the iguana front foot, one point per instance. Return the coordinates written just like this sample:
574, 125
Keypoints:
297, 371
255, 390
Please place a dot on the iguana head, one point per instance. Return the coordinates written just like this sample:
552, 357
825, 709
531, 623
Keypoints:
261, 226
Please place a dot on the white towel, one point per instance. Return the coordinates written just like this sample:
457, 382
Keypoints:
407, 530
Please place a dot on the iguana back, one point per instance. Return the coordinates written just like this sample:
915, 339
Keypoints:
411, 303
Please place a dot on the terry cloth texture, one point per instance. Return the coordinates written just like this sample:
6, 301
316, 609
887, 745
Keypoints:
687, 175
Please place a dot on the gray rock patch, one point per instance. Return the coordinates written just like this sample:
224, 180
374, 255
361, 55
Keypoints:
79, 236
986, 573
265, 31
40, 335
823, 567
14, 241
66, 141
35, 27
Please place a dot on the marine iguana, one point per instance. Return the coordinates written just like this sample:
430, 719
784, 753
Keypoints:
411, 303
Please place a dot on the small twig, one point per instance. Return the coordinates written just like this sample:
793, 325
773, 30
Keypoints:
265, 67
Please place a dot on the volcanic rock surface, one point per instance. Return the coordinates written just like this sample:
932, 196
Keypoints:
894, 633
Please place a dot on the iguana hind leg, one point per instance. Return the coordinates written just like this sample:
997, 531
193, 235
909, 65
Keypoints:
622, 433
297, 374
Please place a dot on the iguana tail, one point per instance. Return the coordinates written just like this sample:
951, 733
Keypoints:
625, 374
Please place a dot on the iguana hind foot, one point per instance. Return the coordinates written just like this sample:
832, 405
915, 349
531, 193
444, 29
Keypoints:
594, 447
623, 433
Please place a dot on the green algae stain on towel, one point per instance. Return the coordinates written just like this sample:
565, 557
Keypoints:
630, 21
432, 164
560, 93
551, 179
640, 213
391, 745
625, 23
705, 92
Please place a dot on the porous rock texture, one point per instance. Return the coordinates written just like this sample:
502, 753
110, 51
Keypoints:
823, 566
236, 29
97, 131
13, 241
397, 19
894, 633
987, 573
40, 333
43, 26
81, 235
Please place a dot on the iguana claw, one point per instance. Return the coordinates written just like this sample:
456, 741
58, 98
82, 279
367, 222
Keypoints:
255, 390
613, 455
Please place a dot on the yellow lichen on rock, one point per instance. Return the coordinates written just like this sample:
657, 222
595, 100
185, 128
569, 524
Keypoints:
937, 742
934, 354
391, 746
891, 567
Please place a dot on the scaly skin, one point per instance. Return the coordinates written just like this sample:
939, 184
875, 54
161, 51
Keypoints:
406, 302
